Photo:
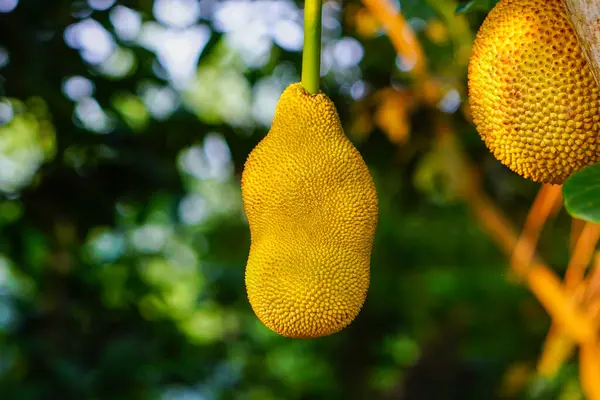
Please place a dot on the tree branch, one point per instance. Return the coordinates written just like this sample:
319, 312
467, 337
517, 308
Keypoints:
585, 18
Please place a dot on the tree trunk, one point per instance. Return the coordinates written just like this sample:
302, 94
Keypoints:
585, 17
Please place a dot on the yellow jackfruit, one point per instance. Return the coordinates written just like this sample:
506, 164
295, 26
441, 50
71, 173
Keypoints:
312, 210
533, 98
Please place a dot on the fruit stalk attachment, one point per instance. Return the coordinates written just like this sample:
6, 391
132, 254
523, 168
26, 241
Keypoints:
311, 53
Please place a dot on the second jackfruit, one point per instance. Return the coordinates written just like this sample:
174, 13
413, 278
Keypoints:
533, 98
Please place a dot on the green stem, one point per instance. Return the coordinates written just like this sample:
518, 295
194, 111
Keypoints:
311, 54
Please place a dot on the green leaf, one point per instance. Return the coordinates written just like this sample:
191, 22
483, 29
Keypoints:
581, 194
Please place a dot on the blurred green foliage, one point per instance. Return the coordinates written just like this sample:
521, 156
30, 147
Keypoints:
122, 234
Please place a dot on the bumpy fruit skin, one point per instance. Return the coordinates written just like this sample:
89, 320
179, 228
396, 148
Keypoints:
533, 98
312, 209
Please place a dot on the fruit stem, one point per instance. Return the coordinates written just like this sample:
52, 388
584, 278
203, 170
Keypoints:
311, 53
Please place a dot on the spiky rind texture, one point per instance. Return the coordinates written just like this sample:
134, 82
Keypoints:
312, 209
532, 95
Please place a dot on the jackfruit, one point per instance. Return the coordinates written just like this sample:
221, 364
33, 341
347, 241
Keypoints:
533, 98
312, 210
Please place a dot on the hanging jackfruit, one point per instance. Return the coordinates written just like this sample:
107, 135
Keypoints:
533, 98
312, 210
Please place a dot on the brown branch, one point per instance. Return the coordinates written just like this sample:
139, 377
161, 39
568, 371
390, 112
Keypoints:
593, 284
582, 255
399, 32
585, 18
589, 367
547, 204
557, 348
568, 316
576, 229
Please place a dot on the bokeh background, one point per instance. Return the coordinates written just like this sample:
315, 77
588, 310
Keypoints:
124, 126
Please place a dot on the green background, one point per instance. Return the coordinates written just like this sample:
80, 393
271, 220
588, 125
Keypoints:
123, 240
